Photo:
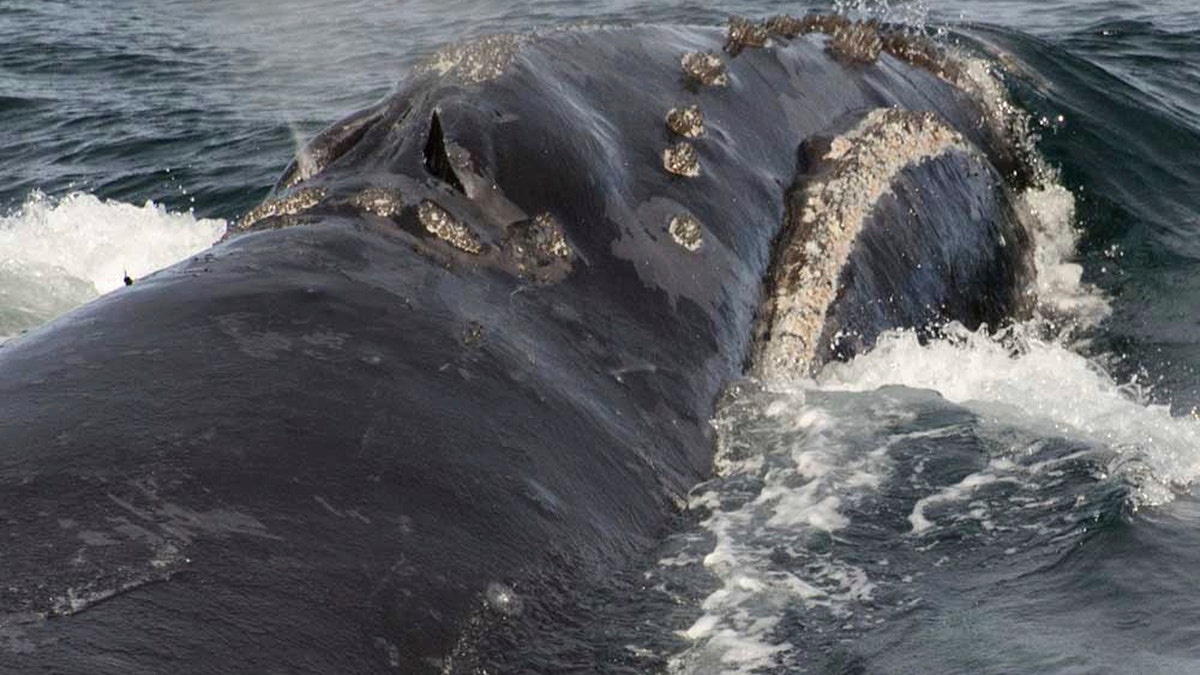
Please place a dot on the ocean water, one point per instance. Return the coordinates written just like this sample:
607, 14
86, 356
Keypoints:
1018, 502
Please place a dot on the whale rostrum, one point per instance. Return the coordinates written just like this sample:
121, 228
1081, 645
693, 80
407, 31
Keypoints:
457, 368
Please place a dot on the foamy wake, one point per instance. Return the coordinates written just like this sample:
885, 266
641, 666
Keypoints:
1019, 380
791, 476
788, 474
56, 254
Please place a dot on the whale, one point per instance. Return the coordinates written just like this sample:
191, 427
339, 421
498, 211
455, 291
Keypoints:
461, 360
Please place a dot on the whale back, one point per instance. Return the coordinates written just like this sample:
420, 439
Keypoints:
465, 354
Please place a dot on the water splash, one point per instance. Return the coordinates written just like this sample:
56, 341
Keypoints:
913, 13
835, 496
60, 253
1018, 379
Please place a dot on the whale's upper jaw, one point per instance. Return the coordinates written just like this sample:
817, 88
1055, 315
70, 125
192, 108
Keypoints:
885, 226
454, 165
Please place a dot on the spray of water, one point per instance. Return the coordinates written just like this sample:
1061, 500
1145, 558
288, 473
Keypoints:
59, 253
914, 13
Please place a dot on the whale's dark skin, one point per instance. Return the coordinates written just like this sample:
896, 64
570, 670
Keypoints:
337, 443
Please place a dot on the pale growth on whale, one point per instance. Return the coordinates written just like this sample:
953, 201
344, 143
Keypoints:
686, 231
865, 161
552, 244
538, 249
975, 76
297, 202
745, 33
383, 202
857, 42
705, 68
478, 61
438, 222
472, 334
785, 26
682, 159
687, 122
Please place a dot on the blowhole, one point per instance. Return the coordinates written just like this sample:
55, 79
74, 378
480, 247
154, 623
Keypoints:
437, 160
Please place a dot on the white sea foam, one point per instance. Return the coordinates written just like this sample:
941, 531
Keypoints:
786, 472
56, 254
1023, 381
960, 490
793, 474
1049, 211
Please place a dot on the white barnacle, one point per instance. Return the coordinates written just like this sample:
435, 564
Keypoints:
682, 159
707, 69
476, 61
289, 205
379, 201
686, 231
438, 222
687, 121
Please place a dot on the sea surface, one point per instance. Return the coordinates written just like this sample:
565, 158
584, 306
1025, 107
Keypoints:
1019, 502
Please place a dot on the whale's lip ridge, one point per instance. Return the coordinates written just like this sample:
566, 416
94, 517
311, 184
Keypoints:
856, 169
475, 61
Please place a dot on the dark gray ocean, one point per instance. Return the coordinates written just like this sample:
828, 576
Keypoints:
1013, 503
